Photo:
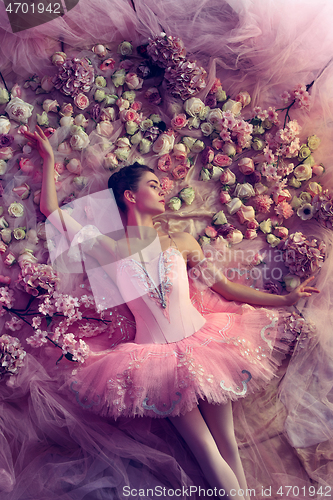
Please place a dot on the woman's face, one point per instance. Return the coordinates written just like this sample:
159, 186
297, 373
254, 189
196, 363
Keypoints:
149, 197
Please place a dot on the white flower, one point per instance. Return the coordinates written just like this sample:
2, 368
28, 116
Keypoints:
291, 282
233, 205
272, 240
80, 181
122, 153
79, 141
214, 116
4, 125
194, 106
4, 96
189, 141
303, 172
145, 146
219, 218
125, 48
3, 167
43, 119
19, 110
233, 106
187, 194
244, 190
163, 144
266, 226
198, 146
175, 203
66, 121
16, 209
206, 128
306, 211
216, 173
81, 120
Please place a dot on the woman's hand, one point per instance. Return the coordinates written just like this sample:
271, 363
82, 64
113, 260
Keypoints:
303, 290
39, 141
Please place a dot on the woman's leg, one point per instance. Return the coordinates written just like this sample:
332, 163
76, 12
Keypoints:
197, 435
219, 419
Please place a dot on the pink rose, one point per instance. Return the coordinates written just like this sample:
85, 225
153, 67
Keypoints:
122, 104
281, 232
180, 152
23, 128
108, 114
59, 168
26, 165
153, 96
252, 224
164, 163
100, 50
318, 169
74, 166
250, 234
179, 122
282, 195
235, 237
246, 166
163, 144
243, 97
50, 106
22, 191
16, 91
217, 143
47, 83
180, 171
81, 101
245, 214
133, 81
136, 105
6, 153
129, 115
224, 197
107, 64
222, 160
210, 232
228, 178
66, 109
49, 131
167, 184
207, 155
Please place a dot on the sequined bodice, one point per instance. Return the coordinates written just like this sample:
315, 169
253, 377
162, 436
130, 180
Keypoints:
157, 293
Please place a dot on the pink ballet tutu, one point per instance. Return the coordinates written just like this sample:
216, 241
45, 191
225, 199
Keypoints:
231, 356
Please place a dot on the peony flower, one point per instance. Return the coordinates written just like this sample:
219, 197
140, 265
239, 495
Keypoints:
125, 48
4, 125
175, 203
164, 144
16, 209
221, 160
246, 166
187, 194
180, 171
19, 110
306, 211
81, 101
244, 190
234, 205
245, 214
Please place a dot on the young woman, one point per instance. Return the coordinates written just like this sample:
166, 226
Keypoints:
181, 365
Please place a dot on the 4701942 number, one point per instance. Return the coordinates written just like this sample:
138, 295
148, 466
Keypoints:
32, 8
305, 491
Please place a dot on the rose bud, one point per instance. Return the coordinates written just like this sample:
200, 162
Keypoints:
224, 197
246, 166
6, 235
210, 232
281, 232
228, 178
250, 234
235, 237
219, 218
233, 206
22, 191
58, 58
245, 214
99, 50
318, 169
207, 155
187, 194
175, 203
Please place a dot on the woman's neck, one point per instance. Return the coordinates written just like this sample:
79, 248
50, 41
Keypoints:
137, 219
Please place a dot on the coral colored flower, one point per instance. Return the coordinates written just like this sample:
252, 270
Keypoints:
284, 209
262, 203
164, 163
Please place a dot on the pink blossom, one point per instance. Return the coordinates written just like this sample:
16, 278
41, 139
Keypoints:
246, 166
129, 115
285, 96
180, 171
245, 214
179, 122
250, 234
225, 136
164, 163
221, 160
167, 184
262, 203
81, 101
284, 209
6, 153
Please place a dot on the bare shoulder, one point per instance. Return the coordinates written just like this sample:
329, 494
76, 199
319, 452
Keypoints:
188, 246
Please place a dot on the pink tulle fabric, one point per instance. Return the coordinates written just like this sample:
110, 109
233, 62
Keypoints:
50, 446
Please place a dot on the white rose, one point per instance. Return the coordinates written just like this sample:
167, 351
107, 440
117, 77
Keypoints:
216, 173
3, 167
4, 125
19, 110
272, 240
234, 205
193, 122
122, 153
198, 146
74, 166
108, 113
81, 121
136, 138
244, 190
235, 237
188, 141
303, 172
291, 281
80, 181
266, 226
206, 128
229, 149
233, 106
50, 105
16, 209
214, 116
123, 142
163, 144
125, 48
79, 141
66, 121
131, 127
42, 119
145, 146
4, 96
194, 106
